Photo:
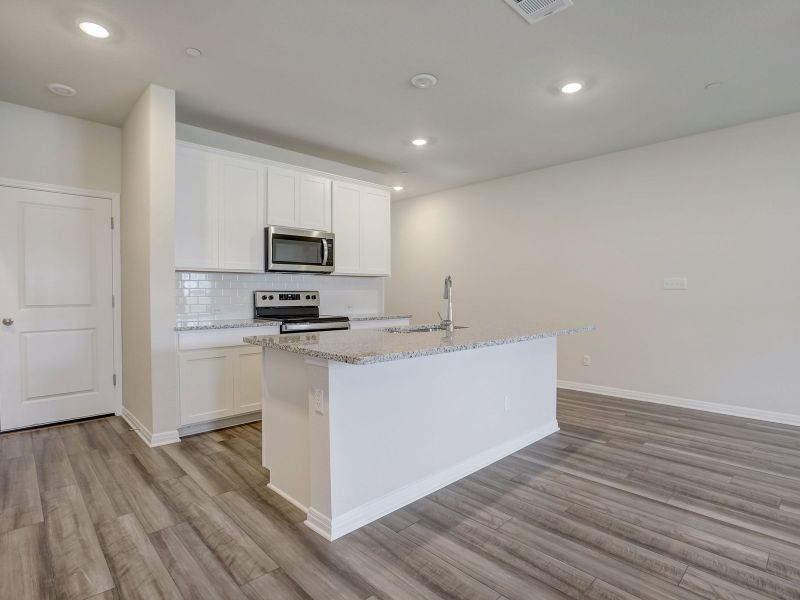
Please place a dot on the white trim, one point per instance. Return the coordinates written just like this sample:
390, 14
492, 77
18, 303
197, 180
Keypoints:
712, 407
116, 279
268, 162
332, 529
149, 438
288, 498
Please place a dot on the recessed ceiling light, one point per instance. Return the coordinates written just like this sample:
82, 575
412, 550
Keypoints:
59, 89
93, 29
573, 87
424, 81
419, 142
398, 188
713, 84
194, 52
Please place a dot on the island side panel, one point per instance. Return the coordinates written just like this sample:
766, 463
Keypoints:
285, 427
400, 430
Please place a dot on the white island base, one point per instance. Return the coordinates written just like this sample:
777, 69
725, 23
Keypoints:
348, 444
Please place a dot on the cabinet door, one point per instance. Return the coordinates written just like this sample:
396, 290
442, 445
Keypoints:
314, 203
282, 193
242, 186
346, 216
375, 232
206, 386
196, 209
247, 379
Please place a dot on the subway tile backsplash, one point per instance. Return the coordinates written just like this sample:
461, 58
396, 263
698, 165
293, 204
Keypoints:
209, 296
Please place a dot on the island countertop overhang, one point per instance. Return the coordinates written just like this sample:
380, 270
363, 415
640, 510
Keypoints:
380, 345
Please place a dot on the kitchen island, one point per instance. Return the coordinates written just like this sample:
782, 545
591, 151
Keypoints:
357, 424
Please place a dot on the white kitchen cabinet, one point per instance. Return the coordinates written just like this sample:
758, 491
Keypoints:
196, 209
375, 233
220, 211
206, 385
219, 376
247, 379
298, 199
361, 219
242, 215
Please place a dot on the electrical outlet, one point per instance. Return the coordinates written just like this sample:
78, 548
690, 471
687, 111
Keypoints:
317, 400
676, 283
587, 360
508, 404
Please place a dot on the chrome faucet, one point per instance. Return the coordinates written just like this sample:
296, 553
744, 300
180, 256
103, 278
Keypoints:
448, 295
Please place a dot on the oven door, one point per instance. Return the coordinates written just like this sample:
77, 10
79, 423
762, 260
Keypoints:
298, 250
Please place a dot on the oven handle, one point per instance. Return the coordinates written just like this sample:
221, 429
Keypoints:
324, 252
295, 327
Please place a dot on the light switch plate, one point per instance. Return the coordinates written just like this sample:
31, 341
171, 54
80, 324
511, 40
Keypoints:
676, 283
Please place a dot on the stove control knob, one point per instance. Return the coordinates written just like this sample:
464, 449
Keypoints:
271, 297
314, 296
308, 297
264, 297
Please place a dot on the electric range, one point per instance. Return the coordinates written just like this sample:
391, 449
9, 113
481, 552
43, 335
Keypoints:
296, 311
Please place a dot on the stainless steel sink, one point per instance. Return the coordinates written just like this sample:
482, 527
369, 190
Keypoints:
421, 328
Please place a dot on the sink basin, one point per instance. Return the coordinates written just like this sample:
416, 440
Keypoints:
420, 328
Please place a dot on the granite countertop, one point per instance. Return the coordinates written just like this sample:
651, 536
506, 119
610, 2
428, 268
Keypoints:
224, 324
201, 325
375, 317
371, 346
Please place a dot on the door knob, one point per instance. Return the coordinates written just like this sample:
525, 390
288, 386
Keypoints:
8, 322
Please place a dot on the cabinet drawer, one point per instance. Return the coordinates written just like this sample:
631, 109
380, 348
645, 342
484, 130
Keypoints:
220, 338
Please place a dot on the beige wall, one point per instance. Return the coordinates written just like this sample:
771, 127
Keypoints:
148, 295
45, 147
590, 243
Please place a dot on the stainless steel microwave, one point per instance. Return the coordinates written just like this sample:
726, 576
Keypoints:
290, 250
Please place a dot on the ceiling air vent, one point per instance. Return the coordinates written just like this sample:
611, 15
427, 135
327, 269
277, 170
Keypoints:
536, 10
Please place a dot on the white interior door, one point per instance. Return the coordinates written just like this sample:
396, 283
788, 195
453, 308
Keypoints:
56, 337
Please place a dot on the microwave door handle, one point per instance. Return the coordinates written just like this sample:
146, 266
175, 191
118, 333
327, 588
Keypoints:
324, 252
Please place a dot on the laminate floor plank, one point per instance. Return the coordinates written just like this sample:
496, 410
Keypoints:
141, 493
24, 569
193, 566
137, 568
52, 464
629, 501
20, 500
78, 563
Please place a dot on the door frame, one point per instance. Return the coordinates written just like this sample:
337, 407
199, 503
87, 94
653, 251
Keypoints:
116, 280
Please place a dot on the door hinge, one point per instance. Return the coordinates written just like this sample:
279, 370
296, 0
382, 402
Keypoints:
114, 378
112, 222
113, 301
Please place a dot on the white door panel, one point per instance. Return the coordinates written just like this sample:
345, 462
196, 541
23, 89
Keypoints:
247, 380
242, 215
57, 359
314, 203
282, 195
346, 227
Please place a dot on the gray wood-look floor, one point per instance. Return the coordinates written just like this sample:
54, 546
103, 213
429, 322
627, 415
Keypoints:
629, 500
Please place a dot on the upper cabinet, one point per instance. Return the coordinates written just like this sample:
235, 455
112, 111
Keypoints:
362, 225
220, 211
223, 202
298, 199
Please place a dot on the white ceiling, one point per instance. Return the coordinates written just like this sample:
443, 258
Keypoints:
331, 77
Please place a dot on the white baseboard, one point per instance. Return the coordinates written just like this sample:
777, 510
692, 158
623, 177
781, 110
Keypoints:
332, 529
712, 407
287, 497
149, 438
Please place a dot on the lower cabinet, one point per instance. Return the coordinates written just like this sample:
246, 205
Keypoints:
219, 382
218, 376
